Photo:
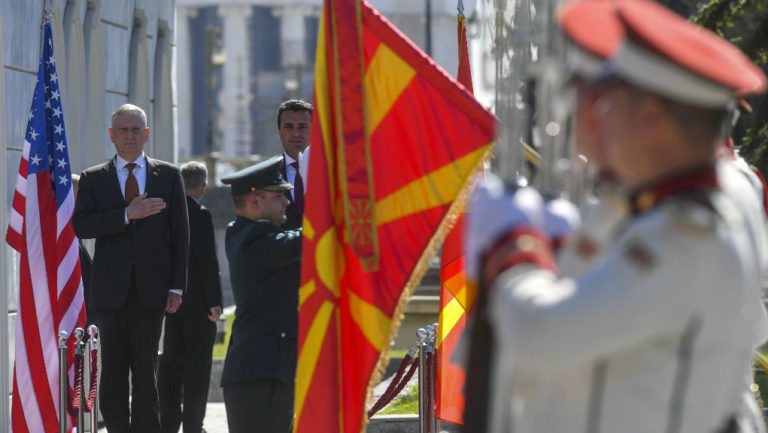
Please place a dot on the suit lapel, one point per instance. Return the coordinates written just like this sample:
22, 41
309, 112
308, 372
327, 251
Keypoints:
113, 180
149, 182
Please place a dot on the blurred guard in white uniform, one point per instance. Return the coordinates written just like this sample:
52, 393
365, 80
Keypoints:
646, 323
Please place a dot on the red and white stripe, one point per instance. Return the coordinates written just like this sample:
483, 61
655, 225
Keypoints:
50, 297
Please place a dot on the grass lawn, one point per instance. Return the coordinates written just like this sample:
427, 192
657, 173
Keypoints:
406, 403
220, 350
397, 353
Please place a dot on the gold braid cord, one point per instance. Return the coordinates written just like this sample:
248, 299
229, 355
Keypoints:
445, 226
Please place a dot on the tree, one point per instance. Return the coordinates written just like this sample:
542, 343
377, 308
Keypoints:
745, 23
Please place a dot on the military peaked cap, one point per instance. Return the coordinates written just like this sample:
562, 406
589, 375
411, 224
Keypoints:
266, 175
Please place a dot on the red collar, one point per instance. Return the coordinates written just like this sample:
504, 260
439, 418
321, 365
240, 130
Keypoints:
650, 196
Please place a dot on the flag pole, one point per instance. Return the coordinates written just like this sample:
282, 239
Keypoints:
48, 11
47, 18
63, 336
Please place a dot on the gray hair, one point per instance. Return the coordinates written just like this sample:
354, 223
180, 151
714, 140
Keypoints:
194, 174
129, 108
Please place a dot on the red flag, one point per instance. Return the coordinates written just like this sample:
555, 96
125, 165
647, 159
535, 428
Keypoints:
394, 141
40, 229
455, 297
464, 76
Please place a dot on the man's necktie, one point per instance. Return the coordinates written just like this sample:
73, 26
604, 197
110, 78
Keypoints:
131, 185
298, 188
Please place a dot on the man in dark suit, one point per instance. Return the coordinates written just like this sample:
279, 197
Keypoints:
134, 207
265, 265
185, 367
294, 118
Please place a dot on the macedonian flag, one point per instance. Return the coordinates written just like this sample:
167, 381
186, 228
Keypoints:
394, 141
456, 297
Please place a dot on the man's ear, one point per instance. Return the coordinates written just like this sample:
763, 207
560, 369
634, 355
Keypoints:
651, 115
111, 135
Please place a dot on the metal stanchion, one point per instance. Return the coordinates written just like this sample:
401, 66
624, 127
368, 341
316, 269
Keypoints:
79, 350
423, 421
93, 331
432, 349
63, 336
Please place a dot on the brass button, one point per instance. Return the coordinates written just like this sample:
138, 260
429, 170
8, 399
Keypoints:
645, 201
282, 334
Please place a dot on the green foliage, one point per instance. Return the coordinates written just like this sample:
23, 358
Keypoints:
761, 380
745, 23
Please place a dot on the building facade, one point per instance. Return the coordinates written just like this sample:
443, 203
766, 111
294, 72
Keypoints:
108, 52
268, 49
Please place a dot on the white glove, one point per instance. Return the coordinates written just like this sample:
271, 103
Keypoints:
561, 218
493, 212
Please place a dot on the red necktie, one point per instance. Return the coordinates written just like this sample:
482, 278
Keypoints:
298, 188
131, 185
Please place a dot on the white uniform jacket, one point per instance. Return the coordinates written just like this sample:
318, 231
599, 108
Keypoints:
653, 335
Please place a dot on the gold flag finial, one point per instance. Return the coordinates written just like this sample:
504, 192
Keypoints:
48, 13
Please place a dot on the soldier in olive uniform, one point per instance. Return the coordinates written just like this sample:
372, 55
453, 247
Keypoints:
265, 266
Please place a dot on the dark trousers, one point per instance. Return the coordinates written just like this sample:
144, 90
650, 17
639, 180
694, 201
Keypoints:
129, 336
185, 371
263, 405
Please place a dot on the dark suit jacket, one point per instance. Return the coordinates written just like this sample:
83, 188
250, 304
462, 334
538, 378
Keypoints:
85, 273
294, 219
204, 282
265, 267
156, 246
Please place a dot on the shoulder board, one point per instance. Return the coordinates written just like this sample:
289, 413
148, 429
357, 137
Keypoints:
693, 216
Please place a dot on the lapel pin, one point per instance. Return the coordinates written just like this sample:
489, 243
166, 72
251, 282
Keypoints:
156, 173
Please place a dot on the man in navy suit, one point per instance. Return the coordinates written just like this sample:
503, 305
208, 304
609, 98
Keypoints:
135, 208
294, 118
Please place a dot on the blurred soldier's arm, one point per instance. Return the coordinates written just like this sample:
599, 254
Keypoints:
544, 322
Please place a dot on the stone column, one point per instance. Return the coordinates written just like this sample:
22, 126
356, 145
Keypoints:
184, 80
235, 94
292, 34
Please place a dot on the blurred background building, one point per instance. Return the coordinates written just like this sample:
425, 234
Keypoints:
244, 57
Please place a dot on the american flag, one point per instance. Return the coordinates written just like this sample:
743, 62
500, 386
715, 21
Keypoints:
40, 229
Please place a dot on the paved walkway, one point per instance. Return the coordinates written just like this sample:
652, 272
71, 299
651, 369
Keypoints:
216, 415
215, 419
